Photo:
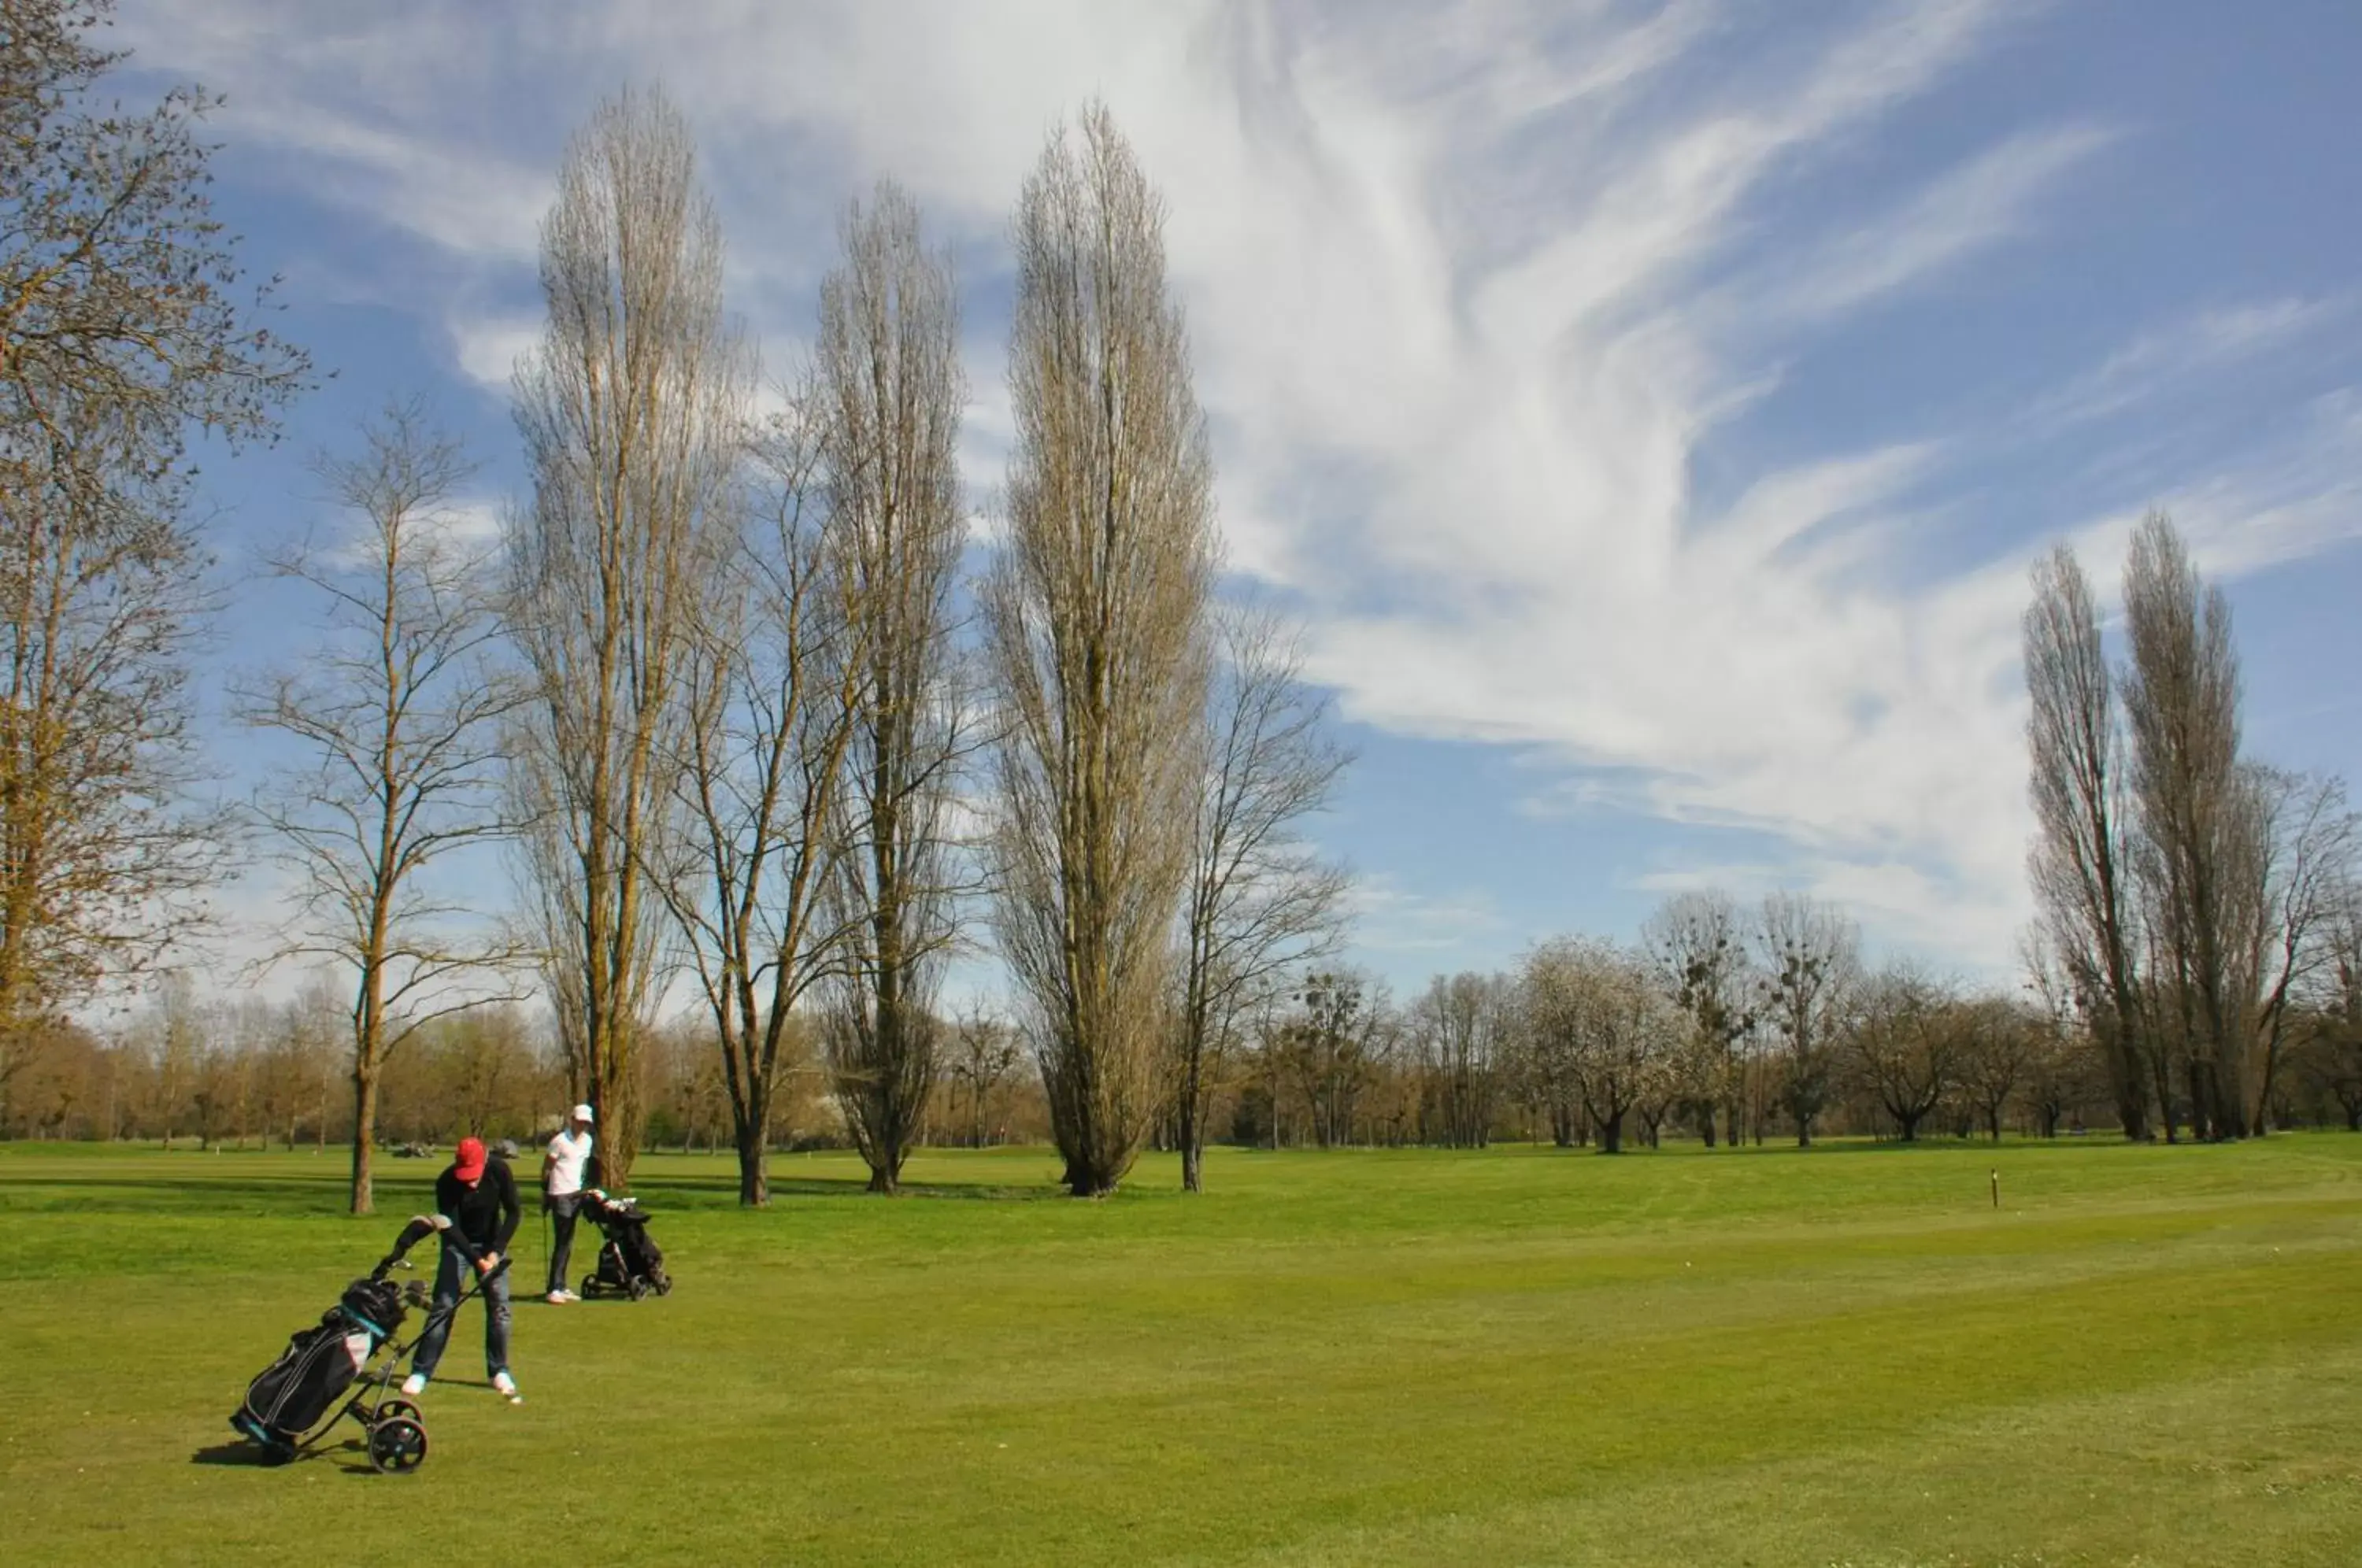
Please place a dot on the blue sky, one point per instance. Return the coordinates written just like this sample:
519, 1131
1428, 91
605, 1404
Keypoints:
1650, 409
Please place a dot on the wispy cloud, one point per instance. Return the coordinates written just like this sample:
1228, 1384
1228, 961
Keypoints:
1989, 200
1391, 919
2173, 358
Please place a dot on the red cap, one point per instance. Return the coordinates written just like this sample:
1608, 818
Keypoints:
469, 1164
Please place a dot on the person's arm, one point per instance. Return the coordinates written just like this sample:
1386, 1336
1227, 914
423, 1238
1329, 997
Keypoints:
509, 1216
448, 1190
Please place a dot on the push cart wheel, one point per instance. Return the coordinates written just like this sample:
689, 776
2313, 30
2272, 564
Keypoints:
398, 1410
664, 1286
639, 1289
589, 1286
398, 1446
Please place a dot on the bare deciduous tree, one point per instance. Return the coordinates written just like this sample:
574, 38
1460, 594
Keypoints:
120, 331
2181, 704
769, 692
1261, 901
2333, 1043
1620, 1034
1328, 1045
1699, 944
398, 712
985, 1053
633, 409
1808, 956
2305, 841
2000, 1049
2079, 864
1902, 1038
1464, 1024
1094, 613
890, 388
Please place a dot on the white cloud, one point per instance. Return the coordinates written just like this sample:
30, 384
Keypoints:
487, 349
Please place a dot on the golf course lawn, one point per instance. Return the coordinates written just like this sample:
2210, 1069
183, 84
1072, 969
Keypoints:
2145, 1354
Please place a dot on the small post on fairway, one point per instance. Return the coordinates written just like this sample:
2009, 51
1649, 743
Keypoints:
1996, 1187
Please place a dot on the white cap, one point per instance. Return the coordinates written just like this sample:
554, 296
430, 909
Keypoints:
583, 1114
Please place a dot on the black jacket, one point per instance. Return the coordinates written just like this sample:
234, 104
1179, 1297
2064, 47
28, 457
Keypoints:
484, 1217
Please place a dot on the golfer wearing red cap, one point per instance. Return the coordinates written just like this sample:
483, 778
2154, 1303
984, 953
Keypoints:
480, 1198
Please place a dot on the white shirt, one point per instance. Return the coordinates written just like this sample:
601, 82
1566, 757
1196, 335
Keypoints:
567, 1153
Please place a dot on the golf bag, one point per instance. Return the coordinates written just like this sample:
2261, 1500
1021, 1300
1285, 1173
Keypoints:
629, 1261
298, 1398
291, 1395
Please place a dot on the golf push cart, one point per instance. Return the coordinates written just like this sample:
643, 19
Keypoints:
294, 1403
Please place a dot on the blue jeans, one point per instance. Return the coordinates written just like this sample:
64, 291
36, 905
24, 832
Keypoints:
450, 1275
561, 1251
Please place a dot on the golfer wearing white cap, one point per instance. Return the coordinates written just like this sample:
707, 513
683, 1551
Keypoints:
561, 1194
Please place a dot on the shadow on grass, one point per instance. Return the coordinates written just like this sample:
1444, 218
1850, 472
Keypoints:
240, 1454
1938, 1146
167, 1196
352, 1455
722, 1192
202, 1193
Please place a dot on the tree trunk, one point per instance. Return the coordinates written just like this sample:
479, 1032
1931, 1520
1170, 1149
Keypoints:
2264, 1095
754, 1174
2124, 1072
2165, 1097
1611, 1134
364, 1197
1193, 1134
1084, 1182
1803, 1131
1910, 1129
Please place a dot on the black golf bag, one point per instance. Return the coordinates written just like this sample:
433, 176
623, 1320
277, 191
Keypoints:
297, 1399
320, 1362
629, 1261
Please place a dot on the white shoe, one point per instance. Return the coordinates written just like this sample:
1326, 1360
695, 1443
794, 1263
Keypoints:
507, 1386
415, 1385
557, 1298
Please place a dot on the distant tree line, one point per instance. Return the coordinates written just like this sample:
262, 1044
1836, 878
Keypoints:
1691, 1034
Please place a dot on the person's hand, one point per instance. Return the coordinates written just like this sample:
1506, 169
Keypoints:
488, 1263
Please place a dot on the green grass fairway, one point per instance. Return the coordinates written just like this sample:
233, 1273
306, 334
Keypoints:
2147, 1355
